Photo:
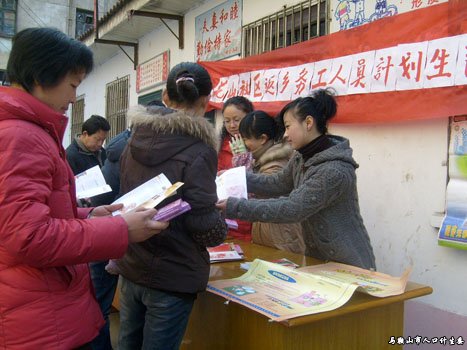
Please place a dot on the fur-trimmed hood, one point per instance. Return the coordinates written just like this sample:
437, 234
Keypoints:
275, 153
161, 133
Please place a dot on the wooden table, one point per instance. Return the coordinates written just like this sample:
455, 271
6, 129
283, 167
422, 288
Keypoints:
363, 323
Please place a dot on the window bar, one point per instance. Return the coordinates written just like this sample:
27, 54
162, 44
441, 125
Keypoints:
277, 30
250, 49
245, 42
292, 27
318, 17
301, 22
284, 35
309, 19
270, 34
263, 37
326, 24
257, 37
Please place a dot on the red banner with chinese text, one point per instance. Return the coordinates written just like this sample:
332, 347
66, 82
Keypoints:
428, 24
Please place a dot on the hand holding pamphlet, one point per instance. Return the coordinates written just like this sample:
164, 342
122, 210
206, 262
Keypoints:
172, 210
147, 195
91, 183
232, 183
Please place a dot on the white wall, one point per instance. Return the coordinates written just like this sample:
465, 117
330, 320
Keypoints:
401, 179
401, 183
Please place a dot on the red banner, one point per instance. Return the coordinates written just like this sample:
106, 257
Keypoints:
421, 27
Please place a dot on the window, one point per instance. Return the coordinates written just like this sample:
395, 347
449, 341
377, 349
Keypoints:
77, 117
3, 78
117, 105
153, 96
84, 21
7, 18
299, 23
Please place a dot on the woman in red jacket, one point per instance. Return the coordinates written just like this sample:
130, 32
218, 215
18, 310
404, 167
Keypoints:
233, 111
46, 299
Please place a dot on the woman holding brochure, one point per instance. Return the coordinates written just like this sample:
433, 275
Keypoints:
46, 298
233, 111
317, 187
161, 277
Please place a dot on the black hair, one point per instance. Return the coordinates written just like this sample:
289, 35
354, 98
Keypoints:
187, 82
95, 123
257, 123
45, 56
242, 103
321, 105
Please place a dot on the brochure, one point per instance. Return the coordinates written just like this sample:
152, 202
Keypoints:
172, 210
232, 183
281, 292
147, 195
225, 252
90, 183
231, 224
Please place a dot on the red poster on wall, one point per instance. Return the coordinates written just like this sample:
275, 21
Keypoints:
406, 67
152, 72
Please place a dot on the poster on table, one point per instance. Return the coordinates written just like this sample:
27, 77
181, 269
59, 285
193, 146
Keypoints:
218, 32
281, 292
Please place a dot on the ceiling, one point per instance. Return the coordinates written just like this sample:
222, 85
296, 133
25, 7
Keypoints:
118, 25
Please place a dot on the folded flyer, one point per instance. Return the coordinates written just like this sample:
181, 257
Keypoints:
232, 183
280, 292
91, 183
147, 195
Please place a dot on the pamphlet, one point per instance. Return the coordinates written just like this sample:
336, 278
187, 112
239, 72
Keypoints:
232, 183
281, 292
91, 183
231, 224
147, 195
172, 210
225, 252
285, 262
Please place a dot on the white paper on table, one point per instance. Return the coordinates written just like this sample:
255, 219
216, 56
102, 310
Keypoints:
147, 195
91, 183
232, 183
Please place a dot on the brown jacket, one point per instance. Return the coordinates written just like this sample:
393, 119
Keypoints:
183, 147
270, 159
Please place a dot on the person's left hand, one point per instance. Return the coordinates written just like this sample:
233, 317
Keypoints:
222, 205
104, 210
237, 145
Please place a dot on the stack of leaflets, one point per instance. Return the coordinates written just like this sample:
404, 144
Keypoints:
172, 210
225, 252
231, 224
